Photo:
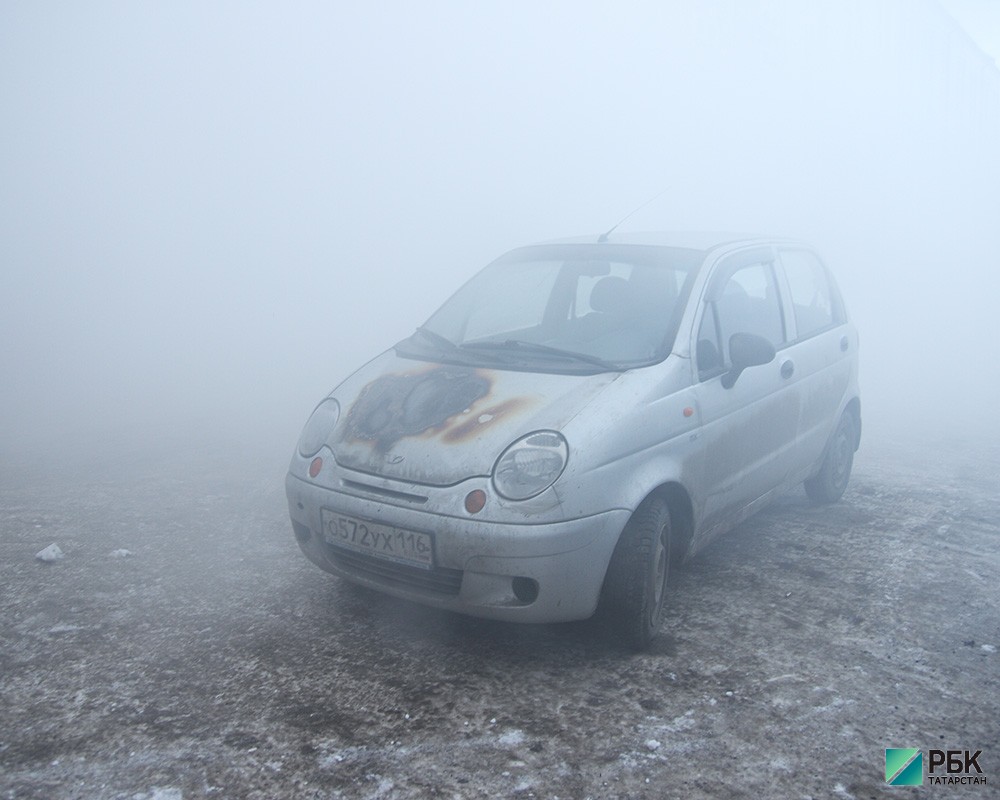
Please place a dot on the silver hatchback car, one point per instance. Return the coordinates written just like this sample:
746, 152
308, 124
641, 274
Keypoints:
578, 417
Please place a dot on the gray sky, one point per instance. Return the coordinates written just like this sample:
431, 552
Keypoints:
211, 213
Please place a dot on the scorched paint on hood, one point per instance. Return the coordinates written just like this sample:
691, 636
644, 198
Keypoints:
440, 424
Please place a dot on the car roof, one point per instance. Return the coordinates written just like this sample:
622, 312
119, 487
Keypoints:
692, 240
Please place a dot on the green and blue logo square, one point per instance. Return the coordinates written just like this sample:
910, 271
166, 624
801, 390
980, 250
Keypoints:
904, 766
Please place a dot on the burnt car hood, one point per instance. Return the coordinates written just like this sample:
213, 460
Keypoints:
439, 424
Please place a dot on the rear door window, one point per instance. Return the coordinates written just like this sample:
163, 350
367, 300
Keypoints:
814, 303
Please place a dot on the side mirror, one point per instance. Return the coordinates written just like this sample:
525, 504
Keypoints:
746, 350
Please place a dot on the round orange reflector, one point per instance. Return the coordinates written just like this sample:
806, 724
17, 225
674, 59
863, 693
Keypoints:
475, 500
688, 411
315, 467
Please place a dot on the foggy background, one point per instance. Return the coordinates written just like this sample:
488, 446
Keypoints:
211, 213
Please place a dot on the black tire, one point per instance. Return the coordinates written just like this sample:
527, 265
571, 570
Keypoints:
635, 586
829, 484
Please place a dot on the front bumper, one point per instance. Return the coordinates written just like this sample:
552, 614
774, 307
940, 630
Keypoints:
520, 572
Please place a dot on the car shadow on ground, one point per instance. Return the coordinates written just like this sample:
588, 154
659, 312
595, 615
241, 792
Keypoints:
514, 643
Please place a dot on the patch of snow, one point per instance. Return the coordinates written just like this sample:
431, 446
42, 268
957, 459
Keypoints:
50, 553
788, 676
680, 723
511, 738
161, 793
121, 553
988, 648
331, 760
63, 627
836, 703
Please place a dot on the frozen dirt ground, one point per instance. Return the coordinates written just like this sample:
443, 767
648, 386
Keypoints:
214, 661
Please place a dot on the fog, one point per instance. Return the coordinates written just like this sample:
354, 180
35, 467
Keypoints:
211, 213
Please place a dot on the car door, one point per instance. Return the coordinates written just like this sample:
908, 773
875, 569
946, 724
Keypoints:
821, 349
748, 430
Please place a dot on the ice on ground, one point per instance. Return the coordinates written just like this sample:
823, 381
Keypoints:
50, 553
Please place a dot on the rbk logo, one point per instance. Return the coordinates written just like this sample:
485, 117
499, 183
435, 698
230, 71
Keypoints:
904, 766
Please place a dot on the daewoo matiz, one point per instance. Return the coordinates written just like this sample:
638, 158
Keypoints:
577, 418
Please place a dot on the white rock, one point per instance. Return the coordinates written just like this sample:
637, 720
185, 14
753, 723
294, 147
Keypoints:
652, 745
50, 553
123, 553
988, 648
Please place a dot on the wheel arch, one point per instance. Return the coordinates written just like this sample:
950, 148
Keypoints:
681, 517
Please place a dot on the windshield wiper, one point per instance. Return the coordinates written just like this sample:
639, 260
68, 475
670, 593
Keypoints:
520, 345
437, 338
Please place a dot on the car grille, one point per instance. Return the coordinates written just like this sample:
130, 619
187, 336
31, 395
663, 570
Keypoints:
438, 581
382, 491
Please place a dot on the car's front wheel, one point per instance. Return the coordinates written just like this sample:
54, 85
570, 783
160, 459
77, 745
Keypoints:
635, 587
829, 484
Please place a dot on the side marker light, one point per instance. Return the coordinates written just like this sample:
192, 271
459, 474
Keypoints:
475, 500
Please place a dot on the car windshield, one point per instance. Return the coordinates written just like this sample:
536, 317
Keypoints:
563, 308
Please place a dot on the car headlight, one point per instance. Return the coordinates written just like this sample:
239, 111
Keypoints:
319, 427
530, 465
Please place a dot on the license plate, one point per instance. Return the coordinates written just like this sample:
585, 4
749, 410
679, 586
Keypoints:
375, 539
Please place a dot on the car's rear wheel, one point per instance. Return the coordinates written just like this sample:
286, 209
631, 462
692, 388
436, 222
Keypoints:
635, 587
830, 483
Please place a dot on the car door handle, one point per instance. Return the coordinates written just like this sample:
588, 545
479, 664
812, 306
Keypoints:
844, 343
787, 369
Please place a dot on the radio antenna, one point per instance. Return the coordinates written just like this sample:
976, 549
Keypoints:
604, 236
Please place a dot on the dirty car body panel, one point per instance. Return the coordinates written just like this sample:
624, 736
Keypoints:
491, 463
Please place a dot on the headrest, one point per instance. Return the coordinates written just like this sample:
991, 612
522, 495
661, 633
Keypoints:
611, 295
